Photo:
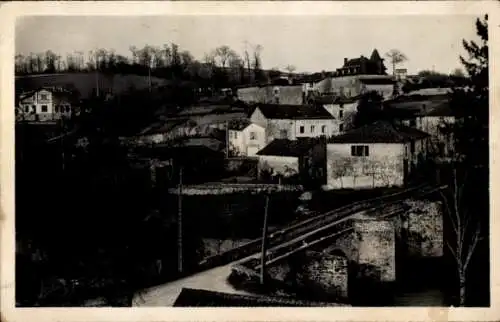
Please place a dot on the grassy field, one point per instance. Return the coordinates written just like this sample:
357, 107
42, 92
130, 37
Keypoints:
85, 83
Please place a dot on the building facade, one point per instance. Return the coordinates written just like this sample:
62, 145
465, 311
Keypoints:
375, 155
273, 94
245, 138
45, 105
293, 122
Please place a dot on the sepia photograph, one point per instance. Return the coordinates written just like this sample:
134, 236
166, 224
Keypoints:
325, 160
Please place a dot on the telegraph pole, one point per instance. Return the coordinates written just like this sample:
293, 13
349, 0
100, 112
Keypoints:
264, 243
227, 139
179, 224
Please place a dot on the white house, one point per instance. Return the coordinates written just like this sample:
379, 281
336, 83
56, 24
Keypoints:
44, 105
342, 109
245, 138
375, 155
294, 121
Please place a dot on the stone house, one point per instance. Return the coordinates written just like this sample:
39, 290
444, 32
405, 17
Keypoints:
381, 154
358, 76
363, 65
432, 115
245, 138
294, 121
45, 104
289, 94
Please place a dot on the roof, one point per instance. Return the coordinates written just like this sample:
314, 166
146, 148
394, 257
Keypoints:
286, 148
380, 132
57, 92
377, 81
440, 109
334, 99
239, 125
163, 126
195, 297
278, 111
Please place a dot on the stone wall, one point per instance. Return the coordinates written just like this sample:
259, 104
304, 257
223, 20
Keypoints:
321, 275
324, 273
376, 249
424, 228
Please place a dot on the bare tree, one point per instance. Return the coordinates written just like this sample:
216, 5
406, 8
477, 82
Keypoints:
223, 55
465, 242
290, 69
396, 57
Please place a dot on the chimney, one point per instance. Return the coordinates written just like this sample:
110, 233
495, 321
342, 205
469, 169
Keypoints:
345, 61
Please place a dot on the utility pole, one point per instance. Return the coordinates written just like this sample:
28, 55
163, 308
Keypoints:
227, 139
179, 224
264, 243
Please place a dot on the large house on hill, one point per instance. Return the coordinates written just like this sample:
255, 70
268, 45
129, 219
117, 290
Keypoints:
45, 105
381, 154
358, 76
363, 65
294, 121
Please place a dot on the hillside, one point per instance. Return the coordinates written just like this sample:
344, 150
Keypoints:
85, 83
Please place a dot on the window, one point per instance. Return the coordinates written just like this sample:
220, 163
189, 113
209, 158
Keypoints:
43, 97
67, 108
341, 127
323, 129
235, 134
56, 108
312, 128
283, 134
359, 151
341, 114
301, 129
26, 108
44, 108
33, 108
253, 136
412, 147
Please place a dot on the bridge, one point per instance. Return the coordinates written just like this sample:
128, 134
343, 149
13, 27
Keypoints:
319, 252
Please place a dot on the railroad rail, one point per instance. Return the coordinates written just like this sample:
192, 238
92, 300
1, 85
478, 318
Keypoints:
307, 232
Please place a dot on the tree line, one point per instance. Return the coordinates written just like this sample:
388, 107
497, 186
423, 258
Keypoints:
222, 65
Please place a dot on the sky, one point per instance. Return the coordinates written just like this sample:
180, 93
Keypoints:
310, 43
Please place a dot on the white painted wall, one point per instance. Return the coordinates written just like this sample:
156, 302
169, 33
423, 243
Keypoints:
244, 143
384, 167
316, 128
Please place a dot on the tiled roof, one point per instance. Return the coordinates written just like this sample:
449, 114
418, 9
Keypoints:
163, 126
286, 148
278, 111
198, 298
334, 99
380, 132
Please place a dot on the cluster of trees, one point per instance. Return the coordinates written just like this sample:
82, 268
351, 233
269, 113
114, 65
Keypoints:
222, 65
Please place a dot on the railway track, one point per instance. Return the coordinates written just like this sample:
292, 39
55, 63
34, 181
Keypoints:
307, 231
